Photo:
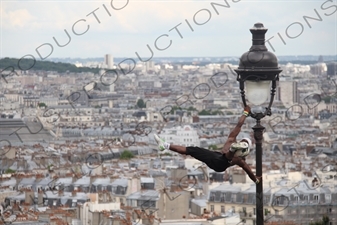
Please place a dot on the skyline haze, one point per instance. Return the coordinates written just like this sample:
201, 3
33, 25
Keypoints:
182, 28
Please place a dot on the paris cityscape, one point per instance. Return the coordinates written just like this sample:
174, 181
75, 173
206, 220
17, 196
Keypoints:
82, 151
85, 87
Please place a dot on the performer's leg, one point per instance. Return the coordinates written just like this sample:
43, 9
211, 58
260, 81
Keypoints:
214, 160
178, 149
162, 145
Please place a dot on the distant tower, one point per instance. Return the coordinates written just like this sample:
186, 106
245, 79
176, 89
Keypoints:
112, 87
289, 92
108, 61
332, 68
320, 59
149, 65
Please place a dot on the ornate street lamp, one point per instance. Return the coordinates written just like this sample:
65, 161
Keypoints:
257, 73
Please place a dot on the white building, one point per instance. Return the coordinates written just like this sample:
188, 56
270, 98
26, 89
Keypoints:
97, 204
108, 61
185, 136
288, 92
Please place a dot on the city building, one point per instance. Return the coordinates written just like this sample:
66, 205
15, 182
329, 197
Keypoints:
108, 61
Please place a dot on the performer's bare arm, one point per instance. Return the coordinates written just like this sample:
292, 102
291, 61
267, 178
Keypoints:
238, 161
234, 133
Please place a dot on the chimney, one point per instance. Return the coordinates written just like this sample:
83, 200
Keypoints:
18, 179
61, 192
40, 198
92, 178
29, 196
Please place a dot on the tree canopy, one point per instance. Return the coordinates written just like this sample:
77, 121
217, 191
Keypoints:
126, 155
42, 104
30, 64
324, 221
141, 104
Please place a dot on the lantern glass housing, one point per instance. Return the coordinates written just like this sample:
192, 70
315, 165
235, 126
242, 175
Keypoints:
257, 92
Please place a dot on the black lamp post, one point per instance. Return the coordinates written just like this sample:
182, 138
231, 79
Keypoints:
257, 74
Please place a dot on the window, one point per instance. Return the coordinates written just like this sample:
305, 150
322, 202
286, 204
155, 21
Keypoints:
296, 198
212, 208
222, 208
289, 211
327, 198
316, 198
254, 211
222, 198
306, 198
234, 197
266, 212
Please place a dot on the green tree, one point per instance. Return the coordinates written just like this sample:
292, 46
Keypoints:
212, 147
174, 108
329, 99
126, 155
191, 108
44, 65
166, 154
204, 112
50, 167
9, 171
325, 221
42, 104
217, 112
140, 103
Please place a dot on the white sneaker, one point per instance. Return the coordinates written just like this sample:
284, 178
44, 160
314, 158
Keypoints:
160, 142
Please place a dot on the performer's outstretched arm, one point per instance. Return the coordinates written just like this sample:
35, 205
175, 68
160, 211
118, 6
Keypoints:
246, 168
234, 133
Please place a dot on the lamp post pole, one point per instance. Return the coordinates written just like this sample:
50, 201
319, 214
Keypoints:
258, 135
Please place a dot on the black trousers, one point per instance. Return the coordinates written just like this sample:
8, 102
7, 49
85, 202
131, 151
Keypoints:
214, 160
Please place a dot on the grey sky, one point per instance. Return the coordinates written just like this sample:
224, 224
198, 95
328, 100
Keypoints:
222, 31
